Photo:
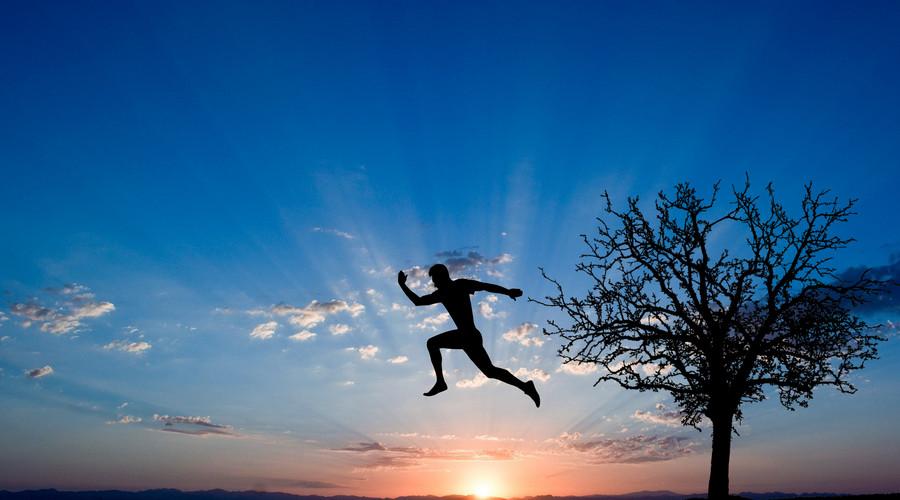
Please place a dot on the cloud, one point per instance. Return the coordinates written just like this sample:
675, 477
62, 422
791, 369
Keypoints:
365, 352
264, 331
129, 347
628, 450
523, 334
302, 336
889, 299
3, 317
573, 368
486, 308
316, 312
335, 232
471, 383
398, 360
191, 425
339, 329
40, 372
125, 420
75, 305
433, 322
663, 416
379, 456
536, 374
458, 262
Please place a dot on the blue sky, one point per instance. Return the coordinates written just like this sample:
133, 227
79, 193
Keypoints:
175, 175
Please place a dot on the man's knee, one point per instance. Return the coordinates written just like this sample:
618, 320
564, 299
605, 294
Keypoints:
491, 371
432, 344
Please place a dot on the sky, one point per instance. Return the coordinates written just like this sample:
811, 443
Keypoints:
204, 207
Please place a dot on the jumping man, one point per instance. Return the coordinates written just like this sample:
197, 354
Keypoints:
454, 295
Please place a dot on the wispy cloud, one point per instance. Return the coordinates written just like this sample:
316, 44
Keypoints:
376, 455
302, 336
534, 373
192, 425
264, 331
662, 416
335, 232
459, 262
365, 352
316, 312
524, 334
129, 347
398, 360
433, 322
40, 372
339, 329
125, 420
471, 383
486, 308
573, 368
75, 304
629, 450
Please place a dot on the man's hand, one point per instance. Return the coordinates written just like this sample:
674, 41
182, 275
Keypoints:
515, 293
401, 279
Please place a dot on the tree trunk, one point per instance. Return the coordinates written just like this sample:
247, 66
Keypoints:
721, 454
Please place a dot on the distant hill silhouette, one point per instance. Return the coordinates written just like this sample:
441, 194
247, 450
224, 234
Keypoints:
172, 494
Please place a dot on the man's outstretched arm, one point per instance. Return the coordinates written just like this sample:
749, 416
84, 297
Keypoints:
512, 293
419, 301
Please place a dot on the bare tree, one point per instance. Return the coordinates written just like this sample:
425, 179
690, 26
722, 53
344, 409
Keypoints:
713, 322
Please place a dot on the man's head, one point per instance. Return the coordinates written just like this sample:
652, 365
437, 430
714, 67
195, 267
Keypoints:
440, 276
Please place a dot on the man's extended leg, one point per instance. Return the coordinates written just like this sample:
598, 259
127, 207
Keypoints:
446, 340
481, 359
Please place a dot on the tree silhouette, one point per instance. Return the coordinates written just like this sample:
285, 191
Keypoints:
714, 308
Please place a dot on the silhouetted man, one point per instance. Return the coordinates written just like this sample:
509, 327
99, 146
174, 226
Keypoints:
454, 295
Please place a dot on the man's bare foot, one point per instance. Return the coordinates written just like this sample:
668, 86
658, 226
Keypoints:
532, 393
438, 388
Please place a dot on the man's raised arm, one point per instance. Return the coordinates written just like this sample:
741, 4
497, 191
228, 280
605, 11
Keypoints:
512, 293
419, 301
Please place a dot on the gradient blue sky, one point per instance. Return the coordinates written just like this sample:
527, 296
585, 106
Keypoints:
175, 175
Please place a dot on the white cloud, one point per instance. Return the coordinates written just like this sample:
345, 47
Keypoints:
77, 305
433, 322
365, 352
398, 360
302, 336
663, 416
191, 425
627, 450
573, 368
264, 331
125, 420
336, 232
316, 312
339, 329
40, 372
536, 374
486, 308
650, 369
471, 383
523, 334
130, 347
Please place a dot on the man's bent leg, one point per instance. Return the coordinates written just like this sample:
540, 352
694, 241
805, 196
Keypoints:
446, 340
